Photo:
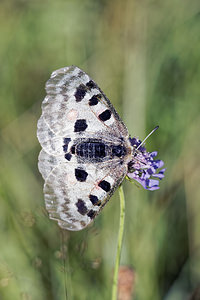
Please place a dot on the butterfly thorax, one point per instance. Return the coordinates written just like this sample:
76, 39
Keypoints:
98, 150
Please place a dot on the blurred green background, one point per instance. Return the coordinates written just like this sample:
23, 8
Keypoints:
145, 55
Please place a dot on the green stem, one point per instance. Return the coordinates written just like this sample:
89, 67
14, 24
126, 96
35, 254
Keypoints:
119, 243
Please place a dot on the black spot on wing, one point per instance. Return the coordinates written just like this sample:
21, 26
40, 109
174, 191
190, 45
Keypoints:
91, 214
73, 149
68, 156
66, 142
105, 115
65, 147
91, 85
82, 208
94, 100
80, 92
80, 125
105, 185
94, 199
81, 175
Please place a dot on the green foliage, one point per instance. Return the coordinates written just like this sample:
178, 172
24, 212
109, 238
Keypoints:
145, 55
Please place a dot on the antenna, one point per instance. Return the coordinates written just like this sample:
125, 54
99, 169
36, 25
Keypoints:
147, 137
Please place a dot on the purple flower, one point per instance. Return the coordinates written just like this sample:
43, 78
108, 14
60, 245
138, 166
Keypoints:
143, 168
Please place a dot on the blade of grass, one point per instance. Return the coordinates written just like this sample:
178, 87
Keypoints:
119, 243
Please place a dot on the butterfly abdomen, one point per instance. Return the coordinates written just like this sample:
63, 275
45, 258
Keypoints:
93, 150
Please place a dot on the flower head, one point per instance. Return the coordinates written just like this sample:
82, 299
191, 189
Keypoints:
143, 168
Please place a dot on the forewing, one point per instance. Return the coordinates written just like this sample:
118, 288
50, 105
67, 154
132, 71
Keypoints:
75, 105
74, 195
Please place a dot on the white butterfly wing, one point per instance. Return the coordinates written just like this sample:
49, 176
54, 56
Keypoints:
74, 204
72, 95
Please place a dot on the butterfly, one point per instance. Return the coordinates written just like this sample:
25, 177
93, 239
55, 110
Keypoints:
86, 150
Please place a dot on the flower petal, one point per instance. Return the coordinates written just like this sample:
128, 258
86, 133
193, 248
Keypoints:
143, 168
